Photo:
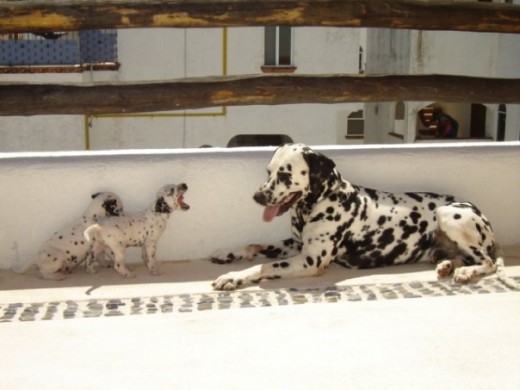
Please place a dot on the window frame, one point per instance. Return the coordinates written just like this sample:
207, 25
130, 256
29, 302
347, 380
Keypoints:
356, 117
274, 39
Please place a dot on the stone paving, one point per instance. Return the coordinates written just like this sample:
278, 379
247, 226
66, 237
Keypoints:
218, 300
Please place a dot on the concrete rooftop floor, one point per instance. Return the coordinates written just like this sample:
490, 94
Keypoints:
391, 328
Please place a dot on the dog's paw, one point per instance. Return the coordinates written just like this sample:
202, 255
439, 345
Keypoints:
229, 281
237, 279
53, 276
104, 263
444, 269
155, 270
226, 257
92, 268
124, 272
463, 275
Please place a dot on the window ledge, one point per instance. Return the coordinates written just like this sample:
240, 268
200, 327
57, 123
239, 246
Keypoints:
278, 68
446, 139
396, 135
4, 69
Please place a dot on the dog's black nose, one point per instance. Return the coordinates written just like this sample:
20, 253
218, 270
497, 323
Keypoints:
183, 187
260, 198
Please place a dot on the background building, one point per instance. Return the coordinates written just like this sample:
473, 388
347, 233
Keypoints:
439, 52
132, 55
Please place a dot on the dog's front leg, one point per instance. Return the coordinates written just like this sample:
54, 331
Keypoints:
302, 265
119, 263
281, 250
92, 257
148, 254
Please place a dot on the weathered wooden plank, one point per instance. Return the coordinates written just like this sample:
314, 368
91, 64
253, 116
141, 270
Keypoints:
46, 16
43, 99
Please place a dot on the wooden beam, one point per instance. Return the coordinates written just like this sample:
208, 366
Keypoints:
66, 15
44, 99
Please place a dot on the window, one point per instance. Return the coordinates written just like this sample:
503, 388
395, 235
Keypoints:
259, 140
399, 111
85, 48
361, 64
501, 125
399, 122
356, 125
278, 49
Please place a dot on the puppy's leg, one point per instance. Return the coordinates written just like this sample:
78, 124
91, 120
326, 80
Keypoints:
282, 250
48, 271
308, 263
119, 263
95, 252
148, 253
51, 263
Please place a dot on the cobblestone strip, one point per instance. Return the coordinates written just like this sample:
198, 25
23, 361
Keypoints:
186, 303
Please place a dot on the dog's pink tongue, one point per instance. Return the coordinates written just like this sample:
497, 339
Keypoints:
270, 212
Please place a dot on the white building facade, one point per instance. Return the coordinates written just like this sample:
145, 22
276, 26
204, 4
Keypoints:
166, 54
440, 52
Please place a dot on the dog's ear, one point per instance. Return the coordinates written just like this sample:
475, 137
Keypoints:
321, 171
110, 207
161, 206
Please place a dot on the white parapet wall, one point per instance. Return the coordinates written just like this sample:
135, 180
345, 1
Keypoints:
42, 192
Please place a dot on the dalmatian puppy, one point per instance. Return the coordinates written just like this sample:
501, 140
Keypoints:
142, 229
67, 248
334, 220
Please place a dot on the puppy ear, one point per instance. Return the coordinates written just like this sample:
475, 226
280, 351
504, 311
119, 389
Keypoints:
94, 196
321, 171
110, 207
161, 206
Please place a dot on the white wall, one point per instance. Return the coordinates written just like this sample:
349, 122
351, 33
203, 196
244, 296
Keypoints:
316, 50
42, 192
326, 50
166, 54
156, 54
513, 122
387, 51
448, 52
42, 132
440, 52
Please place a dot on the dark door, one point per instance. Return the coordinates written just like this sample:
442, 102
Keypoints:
501, 125
478, 121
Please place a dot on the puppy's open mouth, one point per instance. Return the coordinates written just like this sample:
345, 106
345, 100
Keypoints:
270, 212
180, 202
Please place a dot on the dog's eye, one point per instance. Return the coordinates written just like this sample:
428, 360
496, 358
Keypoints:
284, 177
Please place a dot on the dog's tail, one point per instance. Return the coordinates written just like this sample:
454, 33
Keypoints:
90, 233
23, 268
501, 273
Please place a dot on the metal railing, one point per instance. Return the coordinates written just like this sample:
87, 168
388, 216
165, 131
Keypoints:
59, 48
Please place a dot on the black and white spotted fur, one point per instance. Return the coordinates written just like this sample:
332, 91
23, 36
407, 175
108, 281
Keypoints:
67, 248
334, 220
114, 235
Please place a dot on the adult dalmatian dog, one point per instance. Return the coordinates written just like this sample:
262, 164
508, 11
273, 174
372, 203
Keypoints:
114, 235
334, 220
67, 248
